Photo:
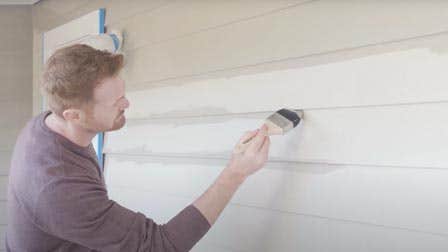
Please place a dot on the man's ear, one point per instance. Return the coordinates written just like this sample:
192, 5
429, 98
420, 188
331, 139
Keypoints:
72, 115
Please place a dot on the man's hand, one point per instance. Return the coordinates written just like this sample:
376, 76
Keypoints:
254, 157
241, 165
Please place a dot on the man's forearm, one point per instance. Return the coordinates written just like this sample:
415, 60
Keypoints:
214, 200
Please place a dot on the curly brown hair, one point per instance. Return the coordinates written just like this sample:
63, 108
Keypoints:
72, 73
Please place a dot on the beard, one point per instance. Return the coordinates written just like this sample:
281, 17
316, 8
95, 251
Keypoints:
118, 123
96, 125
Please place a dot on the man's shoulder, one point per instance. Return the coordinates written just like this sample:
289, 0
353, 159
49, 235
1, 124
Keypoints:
39, 157
34, 148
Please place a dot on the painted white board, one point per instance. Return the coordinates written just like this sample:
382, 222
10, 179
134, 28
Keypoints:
407, 135
394, 197
243, 228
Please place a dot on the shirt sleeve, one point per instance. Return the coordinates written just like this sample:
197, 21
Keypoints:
77, 209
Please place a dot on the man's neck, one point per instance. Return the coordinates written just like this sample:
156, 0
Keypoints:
75, 134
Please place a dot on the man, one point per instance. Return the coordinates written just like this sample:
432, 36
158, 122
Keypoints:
57, 200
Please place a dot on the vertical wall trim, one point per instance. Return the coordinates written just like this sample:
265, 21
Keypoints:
101, 135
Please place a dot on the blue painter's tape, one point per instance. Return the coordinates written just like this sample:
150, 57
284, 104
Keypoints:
102, 19
100, 149
115, 40
102, 15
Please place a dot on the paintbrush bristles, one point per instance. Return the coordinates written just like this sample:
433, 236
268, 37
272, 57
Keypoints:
283, 121
278, 125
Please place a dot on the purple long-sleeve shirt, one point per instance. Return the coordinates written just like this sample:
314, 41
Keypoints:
57, 201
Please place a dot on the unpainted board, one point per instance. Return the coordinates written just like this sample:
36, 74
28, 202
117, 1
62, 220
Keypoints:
9, 137
309, 29
15, 25
407, 76
3, 187
15, 71
2, 235
3, 212
15, 113
5, 160
184, 18
49, 14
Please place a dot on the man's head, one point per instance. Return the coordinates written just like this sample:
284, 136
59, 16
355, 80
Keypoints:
83, 87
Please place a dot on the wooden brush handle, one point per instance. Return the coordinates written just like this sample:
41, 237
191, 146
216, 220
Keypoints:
241, 147
272, 130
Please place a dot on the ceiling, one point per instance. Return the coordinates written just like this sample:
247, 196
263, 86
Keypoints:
15, 2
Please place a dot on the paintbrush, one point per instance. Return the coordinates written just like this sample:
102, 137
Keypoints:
278, 123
